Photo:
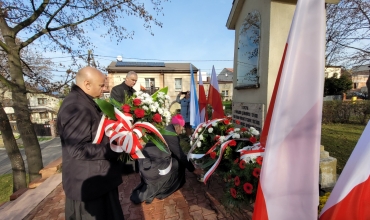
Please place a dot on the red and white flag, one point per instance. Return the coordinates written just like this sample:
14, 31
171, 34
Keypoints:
289, 181
214, 97
202, 100
350, 198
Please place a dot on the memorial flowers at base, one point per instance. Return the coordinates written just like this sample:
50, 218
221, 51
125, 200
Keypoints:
234, 153
141, 118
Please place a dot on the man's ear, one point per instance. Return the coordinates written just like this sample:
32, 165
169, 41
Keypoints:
87, 85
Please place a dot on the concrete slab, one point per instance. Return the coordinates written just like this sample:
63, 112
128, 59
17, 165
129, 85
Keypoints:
20, 207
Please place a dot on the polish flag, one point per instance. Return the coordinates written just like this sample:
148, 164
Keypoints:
194, 108
289, 181
214, 97
202, 100
350, 198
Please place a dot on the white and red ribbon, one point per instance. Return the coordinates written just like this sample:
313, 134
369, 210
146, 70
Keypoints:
124, 133
251, 152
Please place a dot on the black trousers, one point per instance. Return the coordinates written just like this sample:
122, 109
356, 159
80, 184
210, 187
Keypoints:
102, 208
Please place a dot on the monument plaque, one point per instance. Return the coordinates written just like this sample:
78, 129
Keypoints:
249, 114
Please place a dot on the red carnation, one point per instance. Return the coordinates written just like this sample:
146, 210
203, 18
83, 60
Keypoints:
236, 161
136, 102
233, 192
212, 155
229, 130
237, 181
241, 164
125, 108
157, 118
243, 129
217, 137
256, 172
139, 113
248, 188
237, 122
232, 143
259, 160
226, 122
252, 139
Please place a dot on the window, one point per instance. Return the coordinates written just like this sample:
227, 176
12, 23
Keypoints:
225, 93
43, 115
42, 101
12, 117
149, 82
178, 84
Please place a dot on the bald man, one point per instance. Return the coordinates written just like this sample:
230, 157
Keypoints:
91, 172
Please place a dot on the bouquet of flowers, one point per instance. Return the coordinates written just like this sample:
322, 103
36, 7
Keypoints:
233, 153
141, 118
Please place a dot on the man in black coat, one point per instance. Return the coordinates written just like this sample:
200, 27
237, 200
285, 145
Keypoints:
120, 91
162, 173
91, 172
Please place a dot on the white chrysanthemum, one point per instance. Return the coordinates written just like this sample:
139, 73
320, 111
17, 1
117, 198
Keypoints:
168, 97
253, 131
167, 114
145, 95
222, 139
199, 144
204, 125
201, 137
153, 108
196, 135
214, 124
200, 129
236, 129
210, 130
160, 111
145, 107
156, 104
191, 143
138, 93
236, 135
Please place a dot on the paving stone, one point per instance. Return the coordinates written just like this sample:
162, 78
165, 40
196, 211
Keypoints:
181, 202
197, 215
170, 210
184, 213
193, 208
210, 216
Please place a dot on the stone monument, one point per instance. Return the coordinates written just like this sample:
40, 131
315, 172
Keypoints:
328, 169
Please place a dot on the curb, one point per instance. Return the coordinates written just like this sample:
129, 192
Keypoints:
25, 200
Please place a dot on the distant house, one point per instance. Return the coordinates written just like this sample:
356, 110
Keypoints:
360, 74
333, 71
43, 107
225, 83
176, 76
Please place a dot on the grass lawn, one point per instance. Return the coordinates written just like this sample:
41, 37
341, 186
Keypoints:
339, 140
6, 187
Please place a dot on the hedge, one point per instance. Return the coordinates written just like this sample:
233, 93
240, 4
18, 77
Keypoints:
356, 112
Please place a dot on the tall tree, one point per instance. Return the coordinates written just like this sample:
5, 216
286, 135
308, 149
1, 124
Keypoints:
347, 34
58, 25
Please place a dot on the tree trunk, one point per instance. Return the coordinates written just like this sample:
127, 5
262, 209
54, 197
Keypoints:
368, 86
20, 105
15, 157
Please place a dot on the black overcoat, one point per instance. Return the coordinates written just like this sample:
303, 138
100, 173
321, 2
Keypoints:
153, 185
118, 92
89, 170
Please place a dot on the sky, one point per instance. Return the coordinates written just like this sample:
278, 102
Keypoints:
193, 31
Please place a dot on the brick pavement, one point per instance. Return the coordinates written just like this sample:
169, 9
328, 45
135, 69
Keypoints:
194, 201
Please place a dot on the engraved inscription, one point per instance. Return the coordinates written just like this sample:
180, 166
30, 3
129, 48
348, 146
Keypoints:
249, 114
